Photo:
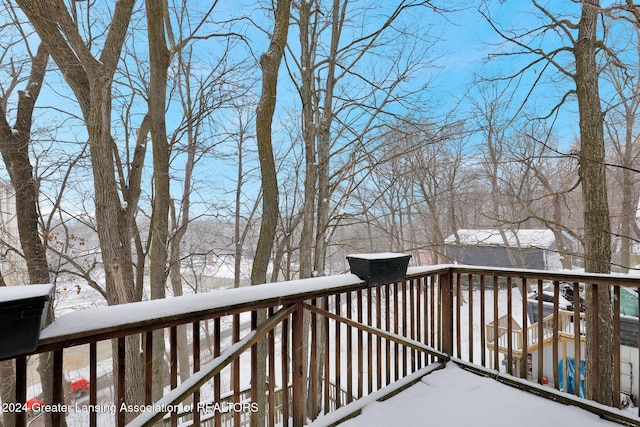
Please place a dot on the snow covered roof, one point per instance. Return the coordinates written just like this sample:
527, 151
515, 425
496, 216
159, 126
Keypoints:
523, 238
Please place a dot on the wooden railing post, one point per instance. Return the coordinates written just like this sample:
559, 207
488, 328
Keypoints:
120, 381
445, 281
594, 372
58, 392
21, 389
297, 363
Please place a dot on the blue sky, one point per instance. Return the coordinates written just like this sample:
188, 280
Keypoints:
465, 42
470, 49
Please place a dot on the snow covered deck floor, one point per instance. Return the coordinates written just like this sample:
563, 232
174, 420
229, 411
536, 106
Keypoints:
455, 397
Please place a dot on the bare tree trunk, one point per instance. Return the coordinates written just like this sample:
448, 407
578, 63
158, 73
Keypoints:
309, 135
307, 90
90, 78
15, 153
597, 241
270, 63
159, 58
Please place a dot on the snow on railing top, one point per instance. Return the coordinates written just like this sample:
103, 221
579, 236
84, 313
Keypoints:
115, 317
104, 320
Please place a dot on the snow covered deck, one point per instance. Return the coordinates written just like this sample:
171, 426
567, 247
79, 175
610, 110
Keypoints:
455, 397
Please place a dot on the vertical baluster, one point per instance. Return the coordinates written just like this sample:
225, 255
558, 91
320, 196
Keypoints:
420, 314
58, 391
433, 341
428, 308
496, 354
577, 342
195, 349
396, 326
413, 320
595, 334
297, 363
338, 352
524, 363
360, 347
173, 358
216, 378
458, 290
148, 368
21, 389
556, 297
327, 370
313, 364
378, 338
387, 316
428, 325
235, 381
93, 382
272, 372
254, 386
404, 326
370, 301
540, 318
285, 372
483, 333
509, 327
349, 351
470, 311
616, 343
120, 387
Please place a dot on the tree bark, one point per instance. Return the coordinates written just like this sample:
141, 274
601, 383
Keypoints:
90, 79
159, 58
270, 63
597, 240
307, 89
14, 146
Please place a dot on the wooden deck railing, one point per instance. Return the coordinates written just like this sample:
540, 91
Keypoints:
321, 335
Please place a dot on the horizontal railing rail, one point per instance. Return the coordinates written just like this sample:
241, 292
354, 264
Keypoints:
325, 342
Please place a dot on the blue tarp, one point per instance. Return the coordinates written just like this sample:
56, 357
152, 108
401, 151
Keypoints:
628, 301
571, 377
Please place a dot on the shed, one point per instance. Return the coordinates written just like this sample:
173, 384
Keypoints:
523, 248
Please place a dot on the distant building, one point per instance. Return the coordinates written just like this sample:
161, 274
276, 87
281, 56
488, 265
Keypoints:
524, 248
12, 264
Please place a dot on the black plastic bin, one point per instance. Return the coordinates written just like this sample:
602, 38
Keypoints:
379, 268
22, 316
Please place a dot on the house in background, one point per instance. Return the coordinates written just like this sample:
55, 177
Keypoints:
525, 248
